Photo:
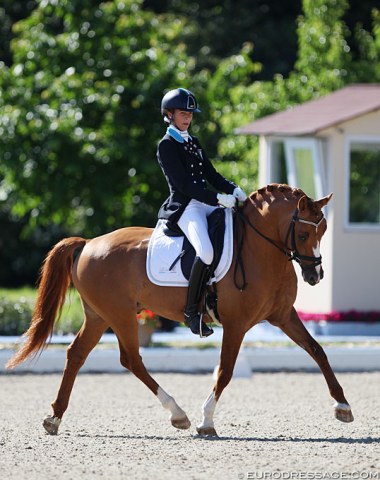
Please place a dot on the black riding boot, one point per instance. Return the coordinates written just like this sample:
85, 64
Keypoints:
197, 281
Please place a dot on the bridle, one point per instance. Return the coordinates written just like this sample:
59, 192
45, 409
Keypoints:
291, 252
294, 253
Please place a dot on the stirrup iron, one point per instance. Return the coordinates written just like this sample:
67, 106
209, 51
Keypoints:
203, 324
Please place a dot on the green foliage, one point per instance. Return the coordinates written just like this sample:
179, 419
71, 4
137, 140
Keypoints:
78, 141
364, 183
366, 68
11, 11
72, 314
217, 30
80, 89
236, 155
16, 307
15, 316
324, 60
324, 64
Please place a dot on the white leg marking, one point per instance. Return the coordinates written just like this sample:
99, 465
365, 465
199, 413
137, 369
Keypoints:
169, 403
208, 410
342, 406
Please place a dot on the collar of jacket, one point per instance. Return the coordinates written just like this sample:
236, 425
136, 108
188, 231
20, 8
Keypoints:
176, 135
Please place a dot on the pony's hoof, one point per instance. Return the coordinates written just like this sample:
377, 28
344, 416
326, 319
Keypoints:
51, 424
343, 413
206, 431
181, 423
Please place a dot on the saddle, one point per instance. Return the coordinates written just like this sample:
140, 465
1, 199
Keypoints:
170, 255
216, 228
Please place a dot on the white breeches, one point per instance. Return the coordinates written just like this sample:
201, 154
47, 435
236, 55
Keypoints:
193, 223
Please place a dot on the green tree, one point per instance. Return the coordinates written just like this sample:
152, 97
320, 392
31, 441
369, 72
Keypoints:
79, 113
324, 63
216, 30
11, 11
324, 59
366, 66
80, 87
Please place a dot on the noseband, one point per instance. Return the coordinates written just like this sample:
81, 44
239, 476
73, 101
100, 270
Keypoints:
292, 253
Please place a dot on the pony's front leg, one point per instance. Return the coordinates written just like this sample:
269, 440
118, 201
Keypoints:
178, 417
206, 428
230, 350
295, 329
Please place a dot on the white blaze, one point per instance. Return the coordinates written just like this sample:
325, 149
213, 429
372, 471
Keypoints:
316, 252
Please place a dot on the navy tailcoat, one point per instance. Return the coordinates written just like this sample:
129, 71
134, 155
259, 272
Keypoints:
189, 174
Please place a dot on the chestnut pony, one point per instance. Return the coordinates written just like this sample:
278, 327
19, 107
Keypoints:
279, 224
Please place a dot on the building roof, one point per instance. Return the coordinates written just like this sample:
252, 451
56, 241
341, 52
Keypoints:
310, 117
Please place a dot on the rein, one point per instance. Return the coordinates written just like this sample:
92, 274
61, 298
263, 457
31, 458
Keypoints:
291, 253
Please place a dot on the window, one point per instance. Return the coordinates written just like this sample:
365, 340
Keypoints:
364, 182
304, 165
298, 162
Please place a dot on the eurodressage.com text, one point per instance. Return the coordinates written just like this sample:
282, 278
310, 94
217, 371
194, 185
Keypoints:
310, 475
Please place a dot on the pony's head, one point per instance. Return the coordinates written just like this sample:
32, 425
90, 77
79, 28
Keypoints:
298, 236
307, 227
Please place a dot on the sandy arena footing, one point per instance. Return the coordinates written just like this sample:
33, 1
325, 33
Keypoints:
273, 426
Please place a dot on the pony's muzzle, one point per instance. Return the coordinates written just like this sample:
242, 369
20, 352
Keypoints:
313, 275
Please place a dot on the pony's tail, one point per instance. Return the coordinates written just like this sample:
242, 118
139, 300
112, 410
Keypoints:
55, 279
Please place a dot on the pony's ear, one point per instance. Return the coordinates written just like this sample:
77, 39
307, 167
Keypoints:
324, 201
302, 204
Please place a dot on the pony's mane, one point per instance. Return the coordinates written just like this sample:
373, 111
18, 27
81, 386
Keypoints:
275, 190
279, 191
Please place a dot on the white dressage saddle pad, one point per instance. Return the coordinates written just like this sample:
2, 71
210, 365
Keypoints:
163, 250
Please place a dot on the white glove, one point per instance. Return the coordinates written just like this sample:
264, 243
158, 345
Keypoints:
225, 200
239, 194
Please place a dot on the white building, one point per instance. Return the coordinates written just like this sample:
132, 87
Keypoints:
332, 144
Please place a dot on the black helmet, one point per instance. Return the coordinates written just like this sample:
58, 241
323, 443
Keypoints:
179, 98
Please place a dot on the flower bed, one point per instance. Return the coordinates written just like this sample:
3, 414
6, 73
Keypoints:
148, 322
350, 322
147, 317
347, 316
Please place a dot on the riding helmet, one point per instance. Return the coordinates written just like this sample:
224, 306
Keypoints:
179, 98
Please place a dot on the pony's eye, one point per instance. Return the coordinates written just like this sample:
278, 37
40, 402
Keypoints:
302, 237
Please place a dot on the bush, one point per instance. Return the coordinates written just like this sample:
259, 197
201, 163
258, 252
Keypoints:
15, 315
71, 319
16, 308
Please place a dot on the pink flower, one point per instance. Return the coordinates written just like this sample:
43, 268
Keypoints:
344, 316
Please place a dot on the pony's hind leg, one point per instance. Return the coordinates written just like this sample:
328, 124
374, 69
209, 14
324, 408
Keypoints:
295, 329
86, 339
130, 358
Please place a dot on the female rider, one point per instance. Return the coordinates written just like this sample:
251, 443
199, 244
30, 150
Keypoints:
189, 174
